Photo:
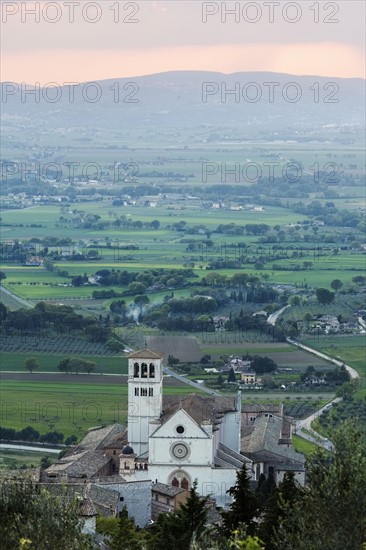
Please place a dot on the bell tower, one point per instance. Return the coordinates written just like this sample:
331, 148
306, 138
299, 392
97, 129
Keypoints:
145, 396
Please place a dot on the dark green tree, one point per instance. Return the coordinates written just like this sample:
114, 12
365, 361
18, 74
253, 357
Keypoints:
3, 312
64, 365
231, 376
265, 488
263, 365
45, 462
332, 513
287, 494
28, 434
31, 364
47, 520
176, 529
324, 296
244, 507
336, 284
71, 440
125, 535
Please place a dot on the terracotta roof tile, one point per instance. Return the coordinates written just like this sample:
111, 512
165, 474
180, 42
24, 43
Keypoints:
145, 354
199, 408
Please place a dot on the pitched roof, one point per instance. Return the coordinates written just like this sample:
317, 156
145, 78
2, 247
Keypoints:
81, 465
264, 439
86, 508
145, 354
105, 499
167, 490
98, 438
117, 442
199, 408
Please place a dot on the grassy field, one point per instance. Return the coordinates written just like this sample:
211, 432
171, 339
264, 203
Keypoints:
13, 361
343, 305
70, 408
283, 354
10, 459
303, 446
351, 349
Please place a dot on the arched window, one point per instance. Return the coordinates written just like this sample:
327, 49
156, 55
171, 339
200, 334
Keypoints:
151, 392
184, 484
180, 478
136, 370
144, 370
136, 392
151, 370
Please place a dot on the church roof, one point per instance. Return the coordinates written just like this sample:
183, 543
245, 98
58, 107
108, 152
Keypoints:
86, 508
264, 440
127, 450
167, 490
199, 408
117, 442
99, 438
145, 354
86, 464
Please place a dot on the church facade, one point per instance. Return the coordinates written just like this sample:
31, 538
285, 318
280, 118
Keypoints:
182, 438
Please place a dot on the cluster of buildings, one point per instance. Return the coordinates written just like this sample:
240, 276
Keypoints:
330, 324
171, 441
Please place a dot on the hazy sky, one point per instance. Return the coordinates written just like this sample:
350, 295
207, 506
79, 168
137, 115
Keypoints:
324, 38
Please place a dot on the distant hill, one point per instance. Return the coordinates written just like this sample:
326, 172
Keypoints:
174, 100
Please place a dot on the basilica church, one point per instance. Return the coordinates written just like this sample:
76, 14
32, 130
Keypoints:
181, 438
172, 440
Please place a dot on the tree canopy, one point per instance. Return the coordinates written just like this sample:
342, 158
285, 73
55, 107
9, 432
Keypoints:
43, 519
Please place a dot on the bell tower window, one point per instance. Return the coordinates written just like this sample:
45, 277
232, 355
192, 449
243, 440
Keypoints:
144, 370
151, 370
136, 370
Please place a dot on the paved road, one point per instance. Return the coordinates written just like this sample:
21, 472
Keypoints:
185, 380
306, 422
20, 301
353, 373
274, 316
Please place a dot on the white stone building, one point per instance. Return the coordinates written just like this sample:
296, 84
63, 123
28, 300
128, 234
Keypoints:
183, 438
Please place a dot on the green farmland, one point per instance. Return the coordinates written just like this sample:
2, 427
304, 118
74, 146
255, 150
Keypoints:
11, 459
351, 349
14, 362
68, 407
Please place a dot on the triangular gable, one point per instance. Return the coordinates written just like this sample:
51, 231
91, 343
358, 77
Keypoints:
180, 418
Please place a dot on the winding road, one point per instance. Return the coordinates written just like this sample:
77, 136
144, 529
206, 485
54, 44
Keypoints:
305, 424
14, 297
185, 380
